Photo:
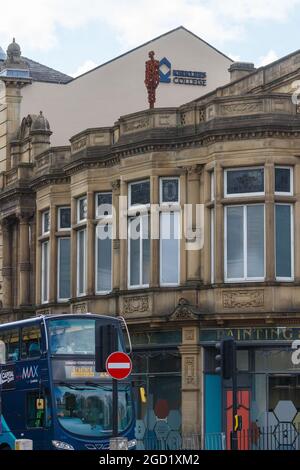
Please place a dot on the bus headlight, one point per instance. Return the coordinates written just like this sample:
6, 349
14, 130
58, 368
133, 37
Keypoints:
131, 443
62, 445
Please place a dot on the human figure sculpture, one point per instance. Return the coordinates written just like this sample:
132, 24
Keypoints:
152, 78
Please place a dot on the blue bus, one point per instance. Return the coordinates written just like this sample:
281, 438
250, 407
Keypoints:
49, 388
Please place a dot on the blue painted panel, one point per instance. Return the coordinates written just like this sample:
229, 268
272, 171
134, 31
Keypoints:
213, 403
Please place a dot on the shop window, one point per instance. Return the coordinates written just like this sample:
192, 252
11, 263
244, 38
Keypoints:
244, 182
284, 388
12, 345
31, 342
284, 180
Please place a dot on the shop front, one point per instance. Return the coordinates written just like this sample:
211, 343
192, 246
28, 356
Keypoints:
268, 387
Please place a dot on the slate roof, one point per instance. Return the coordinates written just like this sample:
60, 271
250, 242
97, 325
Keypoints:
42, 73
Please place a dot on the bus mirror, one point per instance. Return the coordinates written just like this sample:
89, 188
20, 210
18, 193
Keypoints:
143, 395
2, 352
40, 404
105, 344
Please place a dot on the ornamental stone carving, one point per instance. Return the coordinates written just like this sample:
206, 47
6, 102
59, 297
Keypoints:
136, 125
189, 370
136, 304
184, 311
243, 298
80, 308
242, 108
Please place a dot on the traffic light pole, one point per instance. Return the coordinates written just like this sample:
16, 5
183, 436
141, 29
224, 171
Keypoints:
234, 436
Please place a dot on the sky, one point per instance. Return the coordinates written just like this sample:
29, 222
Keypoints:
74, 36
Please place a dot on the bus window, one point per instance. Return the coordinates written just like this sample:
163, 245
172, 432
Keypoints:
11, 341
31, 342
37, 417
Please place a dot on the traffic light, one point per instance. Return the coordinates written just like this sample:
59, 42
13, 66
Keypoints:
105, 344
226, 358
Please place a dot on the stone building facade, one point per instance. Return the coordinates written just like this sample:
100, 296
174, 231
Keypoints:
235, 152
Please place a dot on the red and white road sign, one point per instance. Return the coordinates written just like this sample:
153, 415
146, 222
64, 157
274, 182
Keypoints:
118, 365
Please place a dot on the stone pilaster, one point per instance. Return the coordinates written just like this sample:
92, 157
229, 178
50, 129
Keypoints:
192, 395
116, 240
24, 260
7, 264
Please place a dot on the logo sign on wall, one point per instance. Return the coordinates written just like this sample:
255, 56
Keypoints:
180, 77
7, 378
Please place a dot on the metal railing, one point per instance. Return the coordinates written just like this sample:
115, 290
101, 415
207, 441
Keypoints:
283, 436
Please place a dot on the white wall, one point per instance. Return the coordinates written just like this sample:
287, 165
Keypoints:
100, 97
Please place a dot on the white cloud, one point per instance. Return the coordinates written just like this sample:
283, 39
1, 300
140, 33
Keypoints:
83, 68
36, 23
271, 56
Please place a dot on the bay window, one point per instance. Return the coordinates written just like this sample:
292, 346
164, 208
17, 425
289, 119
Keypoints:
64, 269
139, 251
244, 182
104, 234
284, 241
244, 243
45, 272
169, 248
81, 262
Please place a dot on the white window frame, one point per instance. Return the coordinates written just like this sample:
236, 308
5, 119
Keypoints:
47, 211
212, 245
212, 185
245, 278
79, 221
171, 205
282, 193
137, 206
169, 284
141, 285
280, 278
59, 228
109, 216
82, 294
96, 259
260, 193
45, 295
60, 299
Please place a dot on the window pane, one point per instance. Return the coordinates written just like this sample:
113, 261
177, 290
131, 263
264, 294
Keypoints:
235, 242
283, 241
146, 250
104, 259
245, 181
82, 210
11, 340
134, 268
104, 203
31, 341
255, 241
282, 180
65, 217
45, 271
169, 256
140, 193
64, 266
81, 269
170, 190
46, 222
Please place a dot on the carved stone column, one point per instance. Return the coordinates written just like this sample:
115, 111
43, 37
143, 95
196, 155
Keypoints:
219, 223
193, 198
192, 394
270, 222
123, 242
24, 260
90, 250
7, 263
116, 241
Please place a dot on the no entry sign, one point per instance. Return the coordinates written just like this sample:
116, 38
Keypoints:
118, 365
